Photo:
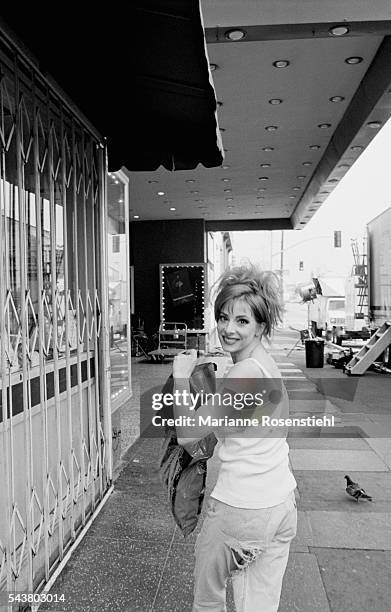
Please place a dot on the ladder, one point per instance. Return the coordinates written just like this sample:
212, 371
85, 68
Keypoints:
360, 270
378, 343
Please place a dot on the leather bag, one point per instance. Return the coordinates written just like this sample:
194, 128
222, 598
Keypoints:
183, 474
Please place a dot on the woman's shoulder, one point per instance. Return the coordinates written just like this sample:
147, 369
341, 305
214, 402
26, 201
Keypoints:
247, 368
265, 363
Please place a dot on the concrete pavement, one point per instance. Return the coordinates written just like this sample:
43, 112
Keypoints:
133, 558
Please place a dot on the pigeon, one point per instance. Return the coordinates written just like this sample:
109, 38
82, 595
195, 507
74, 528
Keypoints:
354, 490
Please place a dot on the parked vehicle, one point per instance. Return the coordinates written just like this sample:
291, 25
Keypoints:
333, 311
327, 308
379, 259
376, 353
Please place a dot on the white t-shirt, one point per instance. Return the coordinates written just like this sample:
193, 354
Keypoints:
254, 471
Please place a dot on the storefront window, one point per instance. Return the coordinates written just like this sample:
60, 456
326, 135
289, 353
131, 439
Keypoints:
38, 234
119, 286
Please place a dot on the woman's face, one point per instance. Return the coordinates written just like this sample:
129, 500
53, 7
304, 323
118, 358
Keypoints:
238, 330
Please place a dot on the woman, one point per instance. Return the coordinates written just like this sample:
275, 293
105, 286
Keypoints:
251, 516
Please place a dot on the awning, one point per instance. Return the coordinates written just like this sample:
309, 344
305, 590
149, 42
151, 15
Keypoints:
141, 78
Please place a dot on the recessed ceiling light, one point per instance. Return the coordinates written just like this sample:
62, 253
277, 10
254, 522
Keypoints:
120, 201
374, 124
213, 67
263, 178
336, 98
136, 216
292, 197
190, 181
225, 167
324, 126
296, 188
225, 180
275, 101
314, 147
357, 148
267, 149
161, 193
235, 34
172, 208
307, 163
265, 165
339, 30
271, 128
229, 199
281, 63
300, 177
355, 59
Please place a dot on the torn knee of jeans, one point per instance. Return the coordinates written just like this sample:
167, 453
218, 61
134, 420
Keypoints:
242, 557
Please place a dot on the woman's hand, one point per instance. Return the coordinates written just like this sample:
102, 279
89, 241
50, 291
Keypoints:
184, 364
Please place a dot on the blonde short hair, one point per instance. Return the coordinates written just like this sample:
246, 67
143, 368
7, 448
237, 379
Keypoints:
259, 289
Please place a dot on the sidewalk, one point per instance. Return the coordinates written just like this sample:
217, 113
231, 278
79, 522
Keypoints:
134, 559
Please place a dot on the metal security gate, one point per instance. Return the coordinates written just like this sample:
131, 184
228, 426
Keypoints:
55, 431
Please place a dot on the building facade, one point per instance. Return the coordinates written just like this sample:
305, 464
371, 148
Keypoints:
55, 327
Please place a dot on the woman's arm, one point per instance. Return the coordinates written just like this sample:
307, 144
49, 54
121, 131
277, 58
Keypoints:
189, 433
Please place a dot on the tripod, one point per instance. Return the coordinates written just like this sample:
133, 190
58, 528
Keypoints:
305, 334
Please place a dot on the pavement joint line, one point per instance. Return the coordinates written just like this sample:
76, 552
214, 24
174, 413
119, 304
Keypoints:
294, 377
164, 567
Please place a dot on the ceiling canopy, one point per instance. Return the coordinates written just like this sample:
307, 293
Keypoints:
302, 88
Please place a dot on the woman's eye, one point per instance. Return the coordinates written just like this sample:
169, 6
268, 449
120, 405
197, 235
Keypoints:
243, 321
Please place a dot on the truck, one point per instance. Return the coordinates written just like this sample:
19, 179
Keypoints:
326, 311
379, 260
376, 353
337, 307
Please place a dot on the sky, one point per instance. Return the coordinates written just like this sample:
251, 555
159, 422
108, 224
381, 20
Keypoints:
362, 194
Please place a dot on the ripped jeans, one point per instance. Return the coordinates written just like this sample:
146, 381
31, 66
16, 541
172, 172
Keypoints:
251, 546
